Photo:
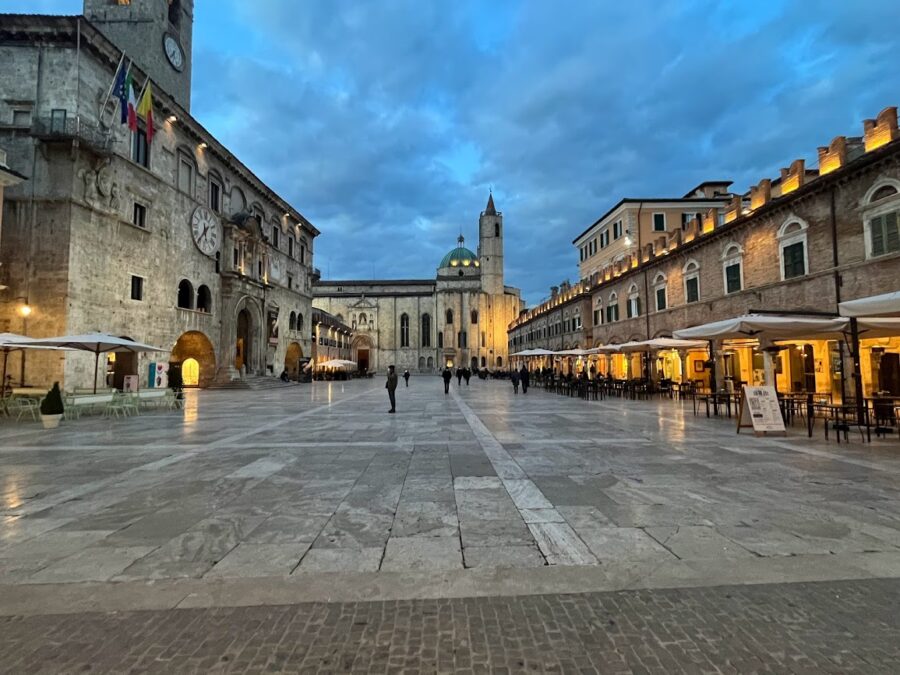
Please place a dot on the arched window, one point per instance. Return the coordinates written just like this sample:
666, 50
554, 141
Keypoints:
299, 321
474, 316
634, 302
404, 330
612, 308
733, 268
292, 321
440, 340
499, 361
362, 318
792, 248
691, 272
449, 316
882, 218
426, 330
598, 312
660, 291
483, 362
421, 363
185, 294
204, 299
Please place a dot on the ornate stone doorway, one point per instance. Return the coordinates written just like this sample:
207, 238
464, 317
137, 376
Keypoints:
243, 345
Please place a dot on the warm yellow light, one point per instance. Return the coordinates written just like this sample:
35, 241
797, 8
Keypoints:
829, 164
790, 184
171, 119
203, 145
25, 310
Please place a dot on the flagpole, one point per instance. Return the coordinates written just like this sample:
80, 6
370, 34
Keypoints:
113, 83
127, 70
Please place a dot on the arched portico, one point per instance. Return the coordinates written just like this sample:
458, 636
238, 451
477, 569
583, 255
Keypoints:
196, 347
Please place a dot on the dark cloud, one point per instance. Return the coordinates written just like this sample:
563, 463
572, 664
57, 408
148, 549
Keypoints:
386, 122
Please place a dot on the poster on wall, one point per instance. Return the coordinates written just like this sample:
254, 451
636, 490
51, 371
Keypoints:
272, 323
760, 410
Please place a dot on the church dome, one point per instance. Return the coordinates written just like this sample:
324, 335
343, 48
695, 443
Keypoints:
460, 256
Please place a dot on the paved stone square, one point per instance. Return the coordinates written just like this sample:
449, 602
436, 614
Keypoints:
312, 493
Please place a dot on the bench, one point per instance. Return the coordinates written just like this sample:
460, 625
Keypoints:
154, 398
75, 404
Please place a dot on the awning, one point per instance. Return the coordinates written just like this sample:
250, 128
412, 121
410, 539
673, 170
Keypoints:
886, 304
764, 327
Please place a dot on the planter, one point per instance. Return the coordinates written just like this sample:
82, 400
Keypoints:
50, 421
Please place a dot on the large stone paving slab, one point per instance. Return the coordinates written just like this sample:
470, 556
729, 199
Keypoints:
318, 479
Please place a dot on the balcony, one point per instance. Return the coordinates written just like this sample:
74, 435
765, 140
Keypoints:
60, 127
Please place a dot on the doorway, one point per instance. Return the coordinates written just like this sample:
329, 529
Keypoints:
363, 360
190, 373
889, 374
242, 346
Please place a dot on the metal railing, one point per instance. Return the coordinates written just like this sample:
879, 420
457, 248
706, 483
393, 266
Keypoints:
66, 127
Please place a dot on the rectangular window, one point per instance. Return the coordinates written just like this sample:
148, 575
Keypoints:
733, 278
597, 315
291, 247
302, 253
604, 239
185, 175
659, 222
692, 289
215, 195
660, 299
794, 263
686, 218
137, 288
483, 339
140, 152
617, 229
885, 233
139, 215
290, 282
236, 257
275, 236
57, 121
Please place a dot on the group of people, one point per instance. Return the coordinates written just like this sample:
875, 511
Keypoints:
517, 377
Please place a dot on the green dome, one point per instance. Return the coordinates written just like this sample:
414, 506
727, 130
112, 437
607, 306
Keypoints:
460, 257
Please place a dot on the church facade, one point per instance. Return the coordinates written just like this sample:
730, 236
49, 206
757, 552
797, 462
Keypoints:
459, 318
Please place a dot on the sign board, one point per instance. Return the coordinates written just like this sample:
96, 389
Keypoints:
760, 409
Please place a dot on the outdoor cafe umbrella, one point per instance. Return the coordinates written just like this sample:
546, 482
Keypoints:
96, 343
886, 304
10, 342
338, 363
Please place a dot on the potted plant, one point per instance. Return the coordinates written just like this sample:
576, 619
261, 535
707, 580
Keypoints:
52, 408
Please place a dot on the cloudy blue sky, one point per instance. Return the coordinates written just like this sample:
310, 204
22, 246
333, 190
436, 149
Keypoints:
386, 121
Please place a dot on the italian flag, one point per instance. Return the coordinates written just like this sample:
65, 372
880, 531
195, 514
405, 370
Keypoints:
132, 105
145, 110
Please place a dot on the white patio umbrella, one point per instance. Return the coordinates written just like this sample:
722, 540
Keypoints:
886, 304
338, 363
11, 342
572, 352
673, 343
764, 327
96, 343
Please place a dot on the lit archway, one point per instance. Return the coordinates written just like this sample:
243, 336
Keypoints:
190, 372
292, 360
195, 346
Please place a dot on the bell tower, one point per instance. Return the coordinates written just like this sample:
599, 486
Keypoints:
156, 34
490, 249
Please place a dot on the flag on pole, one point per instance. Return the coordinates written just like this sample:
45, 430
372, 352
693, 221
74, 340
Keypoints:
120, 91
145, 110
132, 105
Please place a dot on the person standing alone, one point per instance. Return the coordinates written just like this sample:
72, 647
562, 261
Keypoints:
391, 386
514, 378
523, 375
447, 375
406, 376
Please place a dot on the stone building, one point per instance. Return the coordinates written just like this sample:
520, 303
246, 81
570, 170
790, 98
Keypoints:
171, 240
457, 319
331, 338
802, 242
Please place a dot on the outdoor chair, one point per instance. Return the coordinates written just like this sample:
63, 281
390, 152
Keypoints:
20, 406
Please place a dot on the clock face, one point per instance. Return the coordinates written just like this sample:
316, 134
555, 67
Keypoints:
173, 52
205, 229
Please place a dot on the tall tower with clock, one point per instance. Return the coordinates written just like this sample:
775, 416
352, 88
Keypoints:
156, 34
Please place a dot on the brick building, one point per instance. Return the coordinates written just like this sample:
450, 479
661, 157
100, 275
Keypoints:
172, 242
800, 243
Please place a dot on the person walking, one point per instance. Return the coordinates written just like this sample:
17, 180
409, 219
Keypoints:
523, 375
406, 376
467, 374
514, 378
391, 386
459, 374
447, 376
